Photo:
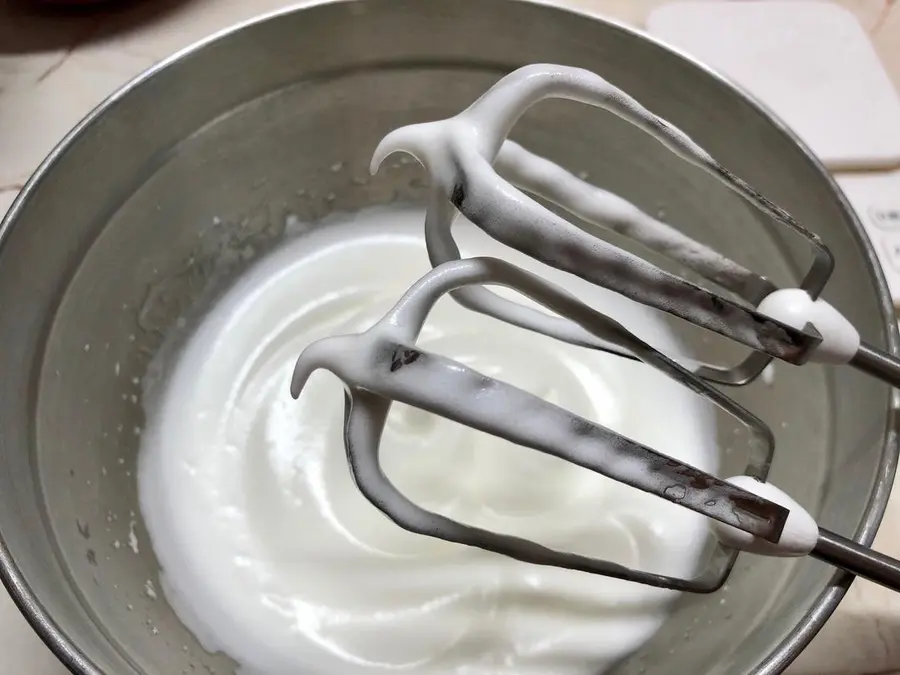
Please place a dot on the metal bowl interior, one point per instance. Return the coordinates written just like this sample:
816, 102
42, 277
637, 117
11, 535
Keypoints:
122, 234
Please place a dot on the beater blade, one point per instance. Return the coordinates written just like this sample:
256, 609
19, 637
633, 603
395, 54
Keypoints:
383, 364
476, 171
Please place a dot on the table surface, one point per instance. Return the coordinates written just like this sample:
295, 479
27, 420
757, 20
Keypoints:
53, 70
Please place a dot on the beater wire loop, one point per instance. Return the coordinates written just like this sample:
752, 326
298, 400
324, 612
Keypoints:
383, 364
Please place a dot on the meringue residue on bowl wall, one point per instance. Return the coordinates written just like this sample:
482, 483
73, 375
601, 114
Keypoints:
271, 555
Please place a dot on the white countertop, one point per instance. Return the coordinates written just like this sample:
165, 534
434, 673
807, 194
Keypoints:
54, 70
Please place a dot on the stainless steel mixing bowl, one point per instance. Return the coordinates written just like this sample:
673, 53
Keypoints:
165, 192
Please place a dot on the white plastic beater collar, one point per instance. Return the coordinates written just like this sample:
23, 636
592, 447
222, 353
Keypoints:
794, 307
800, 534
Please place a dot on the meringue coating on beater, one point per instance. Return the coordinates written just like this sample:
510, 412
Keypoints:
475, 171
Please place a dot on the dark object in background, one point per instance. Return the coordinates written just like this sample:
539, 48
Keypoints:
73, 4
32, 26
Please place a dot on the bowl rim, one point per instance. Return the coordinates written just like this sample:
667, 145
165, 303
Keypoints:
839, 583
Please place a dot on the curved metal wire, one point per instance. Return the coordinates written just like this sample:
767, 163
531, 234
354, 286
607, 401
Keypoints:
383, 364
476, 171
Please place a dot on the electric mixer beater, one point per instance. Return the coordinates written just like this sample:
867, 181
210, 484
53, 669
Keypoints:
476, 171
